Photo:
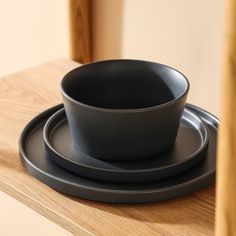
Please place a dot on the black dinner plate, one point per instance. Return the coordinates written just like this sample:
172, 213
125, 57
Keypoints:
190, 148
37, 163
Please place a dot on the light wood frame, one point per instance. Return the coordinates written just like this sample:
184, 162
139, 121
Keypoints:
80, 30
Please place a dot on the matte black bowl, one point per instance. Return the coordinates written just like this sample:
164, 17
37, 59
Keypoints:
124, 110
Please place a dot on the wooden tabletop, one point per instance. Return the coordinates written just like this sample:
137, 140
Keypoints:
25, 94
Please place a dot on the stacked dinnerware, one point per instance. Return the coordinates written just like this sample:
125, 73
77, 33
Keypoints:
123, 135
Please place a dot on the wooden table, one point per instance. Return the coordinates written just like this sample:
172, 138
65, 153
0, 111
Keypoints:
25, 94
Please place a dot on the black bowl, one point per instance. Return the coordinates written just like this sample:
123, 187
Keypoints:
119, 110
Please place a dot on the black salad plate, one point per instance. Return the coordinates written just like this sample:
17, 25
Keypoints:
190, 148
35, 160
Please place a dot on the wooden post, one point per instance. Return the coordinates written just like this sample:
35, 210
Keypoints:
80, 30
226, 163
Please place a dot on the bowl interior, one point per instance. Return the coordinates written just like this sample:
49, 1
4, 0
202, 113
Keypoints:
124, 84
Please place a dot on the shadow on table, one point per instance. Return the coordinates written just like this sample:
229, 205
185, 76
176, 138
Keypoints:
185, 210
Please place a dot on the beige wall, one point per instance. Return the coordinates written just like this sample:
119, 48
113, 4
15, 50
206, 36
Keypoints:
32, 32
185, 34
107, 28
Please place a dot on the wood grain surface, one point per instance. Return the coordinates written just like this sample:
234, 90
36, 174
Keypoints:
25, 94
226, 166
80, 30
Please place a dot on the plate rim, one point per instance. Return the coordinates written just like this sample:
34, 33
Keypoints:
55, 152
31, 166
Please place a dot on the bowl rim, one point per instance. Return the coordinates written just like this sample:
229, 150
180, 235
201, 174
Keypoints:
131, 110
